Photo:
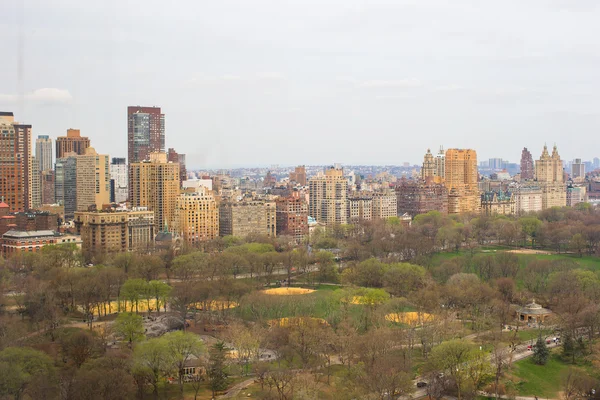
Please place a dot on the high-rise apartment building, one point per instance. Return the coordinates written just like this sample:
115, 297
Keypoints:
328, 197
15, 163
72, 143
242, 218
440, 164
292, 217
428, 170
196, 216
82, 181
528, 198
175, 157
47, 187
299, 175
113, 230
495, 164
43, 152
416, 198
119, 177
36, 184
145, 133
360, 207
385, 204
155, 184
461, 178
527, 166
549, 175
577, 169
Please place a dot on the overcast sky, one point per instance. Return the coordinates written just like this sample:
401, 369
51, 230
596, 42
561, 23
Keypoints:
257, 82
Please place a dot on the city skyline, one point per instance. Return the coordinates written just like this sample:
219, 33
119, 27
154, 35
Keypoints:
330, 75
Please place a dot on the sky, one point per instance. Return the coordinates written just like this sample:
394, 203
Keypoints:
257, 82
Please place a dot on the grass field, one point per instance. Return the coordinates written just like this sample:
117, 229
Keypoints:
587, 262
539, 380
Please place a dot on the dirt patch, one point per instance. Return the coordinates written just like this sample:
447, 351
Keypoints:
287, 291
529, 251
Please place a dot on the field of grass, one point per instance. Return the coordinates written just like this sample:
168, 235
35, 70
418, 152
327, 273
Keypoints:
587, 262
542, 381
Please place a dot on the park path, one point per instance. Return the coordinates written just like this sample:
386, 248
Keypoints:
236, 389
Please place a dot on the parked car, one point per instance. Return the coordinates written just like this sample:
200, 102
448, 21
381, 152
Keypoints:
421, 384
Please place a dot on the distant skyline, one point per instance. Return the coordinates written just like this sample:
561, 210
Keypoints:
286, 82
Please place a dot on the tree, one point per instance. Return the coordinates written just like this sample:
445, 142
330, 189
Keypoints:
160, 291
25, 371
106, 378
79, 346
130, 327
134, 290
217, 376
577, 244
153, 358
540, 352
183, 347
452, 356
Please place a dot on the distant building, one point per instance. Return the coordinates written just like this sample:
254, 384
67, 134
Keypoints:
549, 175
527, 166
328, 197
577, 169
82, 181
15, 241
16, 168
113, 230
36, 184
43, 153
498, 203
461, 179
299, 175
242, 218
36, 221
360, 208
576, 195
155, 184
119, 178
428, 170
145, 133
495, 164
415, 198
528, 198
385, 204
196, 216
292, 217
47, 187
175, 157
72, 143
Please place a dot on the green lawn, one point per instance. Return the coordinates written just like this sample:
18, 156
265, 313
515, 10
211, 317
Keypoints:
544, 381
532, 334
539, 380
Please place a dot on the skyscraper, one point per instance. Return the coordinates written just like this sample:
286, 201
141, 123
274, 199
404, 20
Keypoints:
15, 163
43, 152
36, 184
72, 143
461, 181
527, 168
549, 174
82, 181
577, 169
145, 132
155, 184
119, 177
328, 197
428, 169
